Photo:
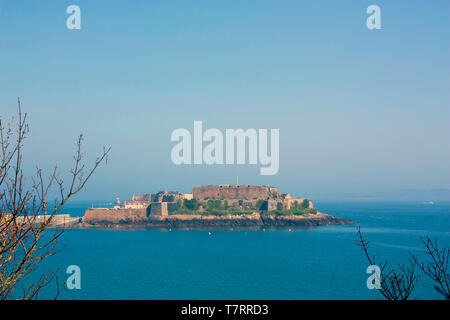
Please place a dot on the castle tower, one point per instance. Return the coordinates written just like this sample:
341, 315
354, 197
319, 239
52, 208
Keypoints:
158, 210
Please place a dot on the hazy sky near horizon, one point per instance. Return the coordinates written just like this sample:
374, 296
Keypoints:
358, 110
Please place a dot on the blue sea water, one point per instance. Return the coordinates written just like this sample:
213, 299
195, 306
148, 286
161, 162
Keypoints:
311, 263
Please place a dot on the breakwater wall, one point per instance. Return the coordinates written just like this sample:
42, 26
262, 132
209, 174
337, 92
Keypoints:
106, 216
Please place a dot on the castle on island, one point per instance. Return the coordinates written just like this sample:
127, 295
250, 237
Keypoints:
235, 196
231, 197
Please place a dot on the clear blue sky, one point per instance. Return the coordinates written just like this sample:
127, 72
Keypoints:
358, 110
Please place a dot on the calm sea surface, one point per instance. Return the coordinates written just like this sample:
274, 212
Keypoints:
316, 263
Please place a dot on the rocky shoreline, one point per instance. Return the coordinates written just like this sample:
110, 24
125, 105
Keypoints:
252, 221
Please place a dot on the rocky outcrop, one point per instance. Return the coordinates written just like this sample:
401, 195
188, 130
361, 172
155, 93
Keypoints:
318, 219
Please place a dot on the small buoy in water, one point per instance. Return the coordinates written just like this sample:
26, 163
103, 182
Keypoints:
290, 230
209, 233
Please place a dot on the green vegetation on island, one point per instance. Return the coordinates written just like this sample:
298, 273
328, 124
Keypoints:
223, 207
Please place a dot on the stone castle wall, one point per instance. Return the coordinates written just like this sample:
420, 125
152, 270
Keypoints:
290, 202
234, 192
110, 215
158, 209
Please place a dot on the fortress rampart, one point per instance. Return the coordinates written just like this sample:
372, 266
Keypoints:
111, 215
235, 192
158, 209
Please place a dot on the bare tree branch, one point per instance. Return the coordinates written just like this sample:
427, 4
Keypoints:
437, 268
394, 284
25, 213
